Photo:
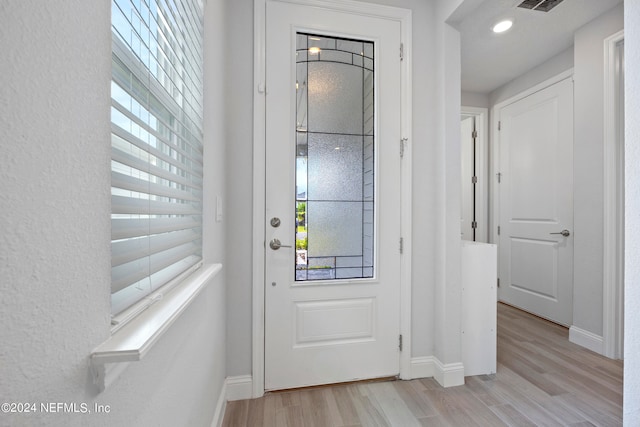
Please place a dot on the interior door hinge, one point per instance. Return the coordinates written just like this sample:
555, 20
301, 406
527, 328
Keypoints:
474, 179
499, 125
498, 282
474, 224
499, 175
401, 244
403, 143
474, 134
401, 51
498, 230
400, 342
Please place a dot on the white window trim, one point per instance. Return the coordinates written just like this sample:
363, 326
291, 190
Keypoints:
132, 341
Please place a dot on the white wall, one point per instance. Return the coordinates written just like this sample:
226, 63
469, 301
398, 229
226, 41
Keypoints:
589, 169
550, 68
632, 213
55, 256
239, 156
447, 294
475, 99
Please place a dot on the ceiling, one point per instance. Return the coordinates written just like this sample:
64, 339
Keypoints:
490, 60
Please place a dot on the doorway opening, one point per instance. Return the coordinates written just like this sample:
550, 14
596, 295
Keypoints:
474, 152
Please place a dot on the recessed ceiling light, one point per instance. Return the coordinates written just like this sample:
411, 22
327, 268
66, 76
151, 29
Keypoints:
502, 26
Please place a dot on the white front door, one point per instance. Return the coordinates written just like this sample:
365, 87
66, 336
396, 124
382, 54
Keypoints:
332, 303
536, 203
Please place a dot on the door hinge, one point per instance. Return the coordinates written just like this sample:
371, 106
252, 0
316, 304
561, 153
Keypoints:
474, 224
498, 282
403, 143
474, 134
499, 125
400, 342
498, 230
401, 244
474, 179
401, 51
499, 175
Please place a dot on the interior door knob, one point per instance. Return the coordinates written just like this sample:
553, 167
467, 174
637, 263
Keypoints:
565, 233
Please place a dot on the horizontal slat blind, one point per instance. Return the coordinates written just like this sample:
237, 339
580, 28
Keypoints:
156, 145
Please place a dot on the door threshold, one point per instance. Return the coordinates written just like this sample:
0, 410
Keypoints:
320, 386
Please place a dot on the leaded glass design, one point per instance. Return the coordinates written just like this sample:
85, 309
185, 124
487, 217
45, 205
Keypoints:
334, 158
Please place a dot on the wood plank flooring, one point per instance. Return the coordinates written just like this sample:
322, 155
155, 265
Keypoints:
542, 380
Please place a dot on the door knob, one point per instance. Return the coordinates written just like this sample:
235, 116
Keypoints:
565, 233
275, 245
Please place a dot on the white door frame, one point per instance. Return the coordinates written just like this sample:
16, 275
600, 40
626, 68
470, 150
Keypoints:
403, 16
482, 169
613, 262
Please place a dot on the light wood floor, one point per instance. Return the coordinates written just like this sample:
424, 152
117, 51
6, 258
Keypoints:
542, 380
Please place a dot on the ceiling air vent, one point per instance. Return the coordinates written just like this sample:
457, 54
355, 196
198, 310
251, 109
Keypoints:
541, 5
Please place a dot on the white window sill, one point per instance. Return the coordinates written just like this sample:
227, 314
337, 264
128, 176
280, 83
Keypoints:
132, 341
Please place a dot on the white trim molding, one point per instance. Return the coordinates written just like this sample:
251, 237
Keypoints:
239, 387
404, 17
447, 375
613, 239
221, 407
233, 388
586, 339
132, 342
422, 367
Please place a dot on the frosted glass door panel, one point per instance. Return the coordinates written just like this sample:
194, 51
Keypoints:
336, 228
335, 158
335, 167
335, 98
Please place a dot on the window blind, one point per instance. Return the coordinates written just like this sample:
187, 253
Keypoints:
156, 146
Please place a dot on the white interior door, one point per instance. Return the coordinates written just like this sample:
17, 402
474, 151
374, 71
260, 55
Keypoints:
536, 203
332, 303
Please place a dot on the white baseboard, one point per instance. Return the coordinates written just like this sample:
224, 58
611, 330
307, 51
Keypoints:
239, 387
422, 367
448, 375
233, 388
221, 407
586, 339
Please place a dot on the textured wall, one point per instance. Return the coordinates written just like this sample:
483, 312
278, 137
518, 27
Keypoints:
55, 235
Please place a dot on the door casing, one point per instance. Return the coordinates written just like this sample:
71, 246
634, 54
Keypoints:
259, 174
